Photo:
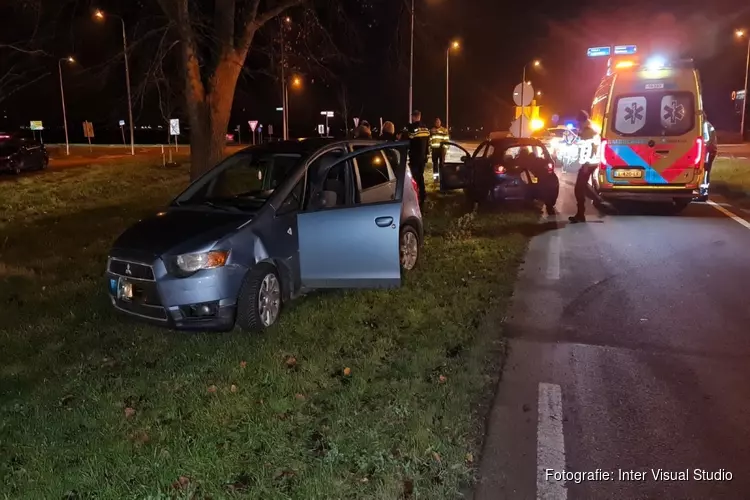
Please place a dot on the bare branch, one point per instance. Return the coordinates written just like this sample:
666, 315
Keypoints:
276, 11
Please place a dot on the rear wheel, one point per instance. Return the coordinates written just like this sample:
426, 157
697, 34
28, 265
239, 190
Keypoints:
259, 301
409, 248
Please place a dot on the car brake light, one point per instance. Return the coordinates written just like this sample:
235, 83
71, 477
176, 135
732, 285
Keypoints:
550, 167
414, 185
603, 152
699, 154
499, 169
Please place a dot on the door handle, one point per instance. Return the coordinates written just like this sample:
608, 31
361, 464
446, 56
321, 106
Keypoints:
384, 221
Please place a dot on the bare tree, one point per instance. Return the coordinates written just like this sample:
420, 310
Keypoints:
213, 48
344, 106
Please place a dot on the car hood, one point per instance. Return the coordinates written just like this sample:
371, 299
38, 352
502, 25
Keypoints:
179, 230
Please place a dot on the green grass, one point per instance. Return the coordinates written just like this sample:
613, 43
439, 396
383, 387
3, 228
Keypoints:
731, 175
93, 405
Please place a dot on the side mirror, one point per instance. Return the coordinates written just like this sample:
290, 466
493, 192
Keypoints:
465, 158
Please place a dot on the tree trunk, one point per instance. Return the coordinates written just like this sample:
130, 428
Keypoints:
209, 119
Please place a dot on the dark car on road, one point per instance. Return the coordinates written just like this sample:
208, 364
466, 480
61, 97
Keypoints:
266, 225
18, 154
505, 168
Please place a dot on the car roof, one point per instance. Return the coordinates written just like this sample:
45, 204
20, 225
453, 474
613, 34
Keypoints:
300, 146
507, 142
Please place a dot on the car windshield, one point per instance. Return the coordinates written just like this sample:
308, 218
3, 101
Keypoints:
244, 181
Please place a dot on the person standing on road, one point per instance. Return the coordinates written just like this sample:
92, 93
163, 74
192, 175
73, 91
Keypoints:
712, 149
438, 135
389, 132
589, 162
419, 145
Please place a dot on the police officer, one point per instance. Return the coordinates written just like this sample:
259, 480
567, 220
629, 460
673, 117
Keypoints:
438, 135
712, 149
583, 189
419, 145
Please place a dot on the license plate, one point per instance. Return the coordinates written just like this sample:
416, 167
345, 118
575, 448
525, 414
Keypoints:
124, 290
631, 173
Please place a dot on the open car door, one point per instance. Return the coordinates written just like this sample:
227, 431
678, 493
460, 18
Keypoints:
353, 245
454, 174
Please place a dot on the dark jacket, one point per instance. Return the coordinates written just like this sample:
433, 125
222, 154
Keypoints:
419, 141
387, 136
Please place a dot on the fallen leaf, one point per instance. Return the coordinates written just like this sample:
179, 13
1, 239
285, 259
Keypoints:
212, 389
363, 480
436, 456
233, 388
442, 379
291, 361
129, 412
469, 458
284, 473
140, 437
300, 397
181, 483
243, 364
347, 371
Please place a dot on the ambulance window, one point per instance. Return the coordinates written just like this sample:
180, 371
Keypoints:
655, 114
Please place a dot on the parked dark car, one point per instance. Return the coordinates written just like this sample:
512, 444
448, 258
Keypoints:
18, 154
505, 168
266, 225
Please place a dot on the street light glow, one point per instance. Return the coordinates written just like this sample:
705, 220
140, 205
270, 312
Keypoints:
70, 59
539, 92
98, 14
287, 19
537, 63
455, 44
297, 81
739, 33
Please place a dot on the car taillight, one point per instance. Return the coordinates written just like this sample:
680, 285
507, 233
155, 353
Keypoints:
499, 169
699, 153
414, 185
550, 167
603, 152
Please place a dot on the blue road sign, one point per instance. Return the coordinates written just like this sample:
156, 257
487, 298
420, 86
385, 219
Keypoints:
598, 51
625, 50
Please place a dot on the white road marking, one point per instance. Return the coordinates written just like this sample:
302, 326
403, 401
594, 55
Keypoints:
729, 214
550, 443
553, 258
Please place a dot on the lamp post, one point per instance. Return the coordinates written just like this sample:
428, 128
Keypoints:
454, 45
62, 96
411, 65
286, 21
535, 64
741, 34
98, 14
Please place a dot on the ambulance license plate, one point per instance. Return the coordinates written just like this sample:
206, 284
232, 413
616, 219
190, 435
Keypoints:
628, 173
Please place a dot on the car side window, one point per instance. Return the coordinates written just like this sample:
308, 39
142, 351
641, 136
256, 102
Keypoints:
293, 201
330, 187
481, 151
373, 169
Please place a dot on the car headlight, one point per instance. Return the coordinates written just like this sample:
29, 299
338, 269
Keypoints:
193, 262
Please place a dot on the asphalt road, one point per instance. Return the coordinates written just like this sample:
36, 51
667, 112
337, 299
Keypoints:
629, 350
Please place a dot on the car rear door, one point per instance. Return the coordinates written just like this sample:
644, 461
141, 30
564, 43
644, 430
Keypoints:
454, 173
355, 245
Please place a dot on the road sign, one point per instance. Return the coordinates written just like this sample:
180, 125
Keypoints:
36, 125
88, 130
253, 125
321, 129
279, 109
329, 114
270, 130
356, 122
122, 123
174, 126
528, 94
625, 50
598, 51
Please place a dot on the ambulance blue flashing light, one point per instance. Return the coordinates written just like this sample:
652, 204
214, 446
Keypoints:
655, 63
569, 126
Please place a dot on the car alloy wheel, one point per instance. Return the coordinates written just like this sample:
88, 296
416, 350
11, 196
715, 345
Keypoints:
269, 300
409, 248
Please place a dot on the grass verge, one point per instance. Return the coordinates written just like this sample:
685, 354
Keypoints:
731, 177
353, 395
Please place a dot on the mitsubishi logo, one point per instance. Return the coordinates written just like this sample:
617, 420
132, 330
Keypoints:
128, 271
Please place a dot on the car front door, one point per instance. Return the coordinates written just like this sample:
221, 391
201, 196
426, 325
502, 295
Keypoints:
344, 243
454, 173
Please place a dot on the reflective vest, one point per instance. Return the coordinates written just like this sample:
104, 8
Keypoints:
589, 141
438, 135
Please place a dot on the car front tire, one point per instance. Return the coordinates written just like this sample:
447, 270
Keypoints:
259, 302
408, 248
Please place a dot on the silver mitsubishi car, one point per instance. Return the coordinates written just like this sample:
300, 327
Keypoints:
266, 225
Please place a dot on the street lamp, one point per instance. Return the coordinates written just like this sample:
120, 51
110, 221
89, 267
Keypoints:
455, 45
741, 34
535, 63
286, 21
62, 96
296, 82
411, 65
99, 15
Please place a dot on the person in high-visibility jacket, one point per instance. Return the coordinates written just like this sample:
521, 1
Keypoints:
438, 135
419, 143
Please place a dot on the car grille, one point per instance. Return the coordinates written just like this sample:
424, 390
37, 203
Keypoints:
145, 310
133, 270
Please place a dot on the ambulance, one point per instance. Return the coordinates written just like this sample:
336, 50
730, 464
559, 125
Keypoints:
650, 116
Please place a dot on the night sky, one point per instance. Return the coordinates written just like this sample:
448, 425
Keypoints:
371, 62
